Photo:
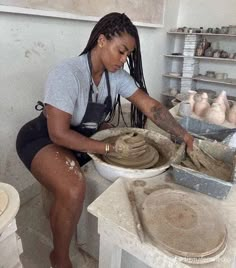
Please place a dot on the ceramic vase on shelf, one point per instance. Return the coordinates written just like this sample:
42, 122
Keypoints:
231, 116
222, 100
215, 114
201, 106
191, 98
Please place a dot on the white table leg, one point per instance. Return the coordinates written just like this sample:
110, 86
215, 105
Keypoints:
109, 254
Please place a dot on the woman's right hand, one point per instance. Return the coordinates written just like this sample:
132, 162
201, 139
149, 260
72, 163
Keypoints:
123, 149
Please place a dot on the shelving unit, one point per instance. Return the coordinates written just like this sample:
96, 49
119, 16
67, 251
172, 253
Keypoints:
188, 64
203, 34
202, 58
217, 81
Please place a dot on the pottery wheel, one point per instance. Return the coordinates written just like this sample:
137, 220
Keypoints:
183, 224
3, 201
146, 160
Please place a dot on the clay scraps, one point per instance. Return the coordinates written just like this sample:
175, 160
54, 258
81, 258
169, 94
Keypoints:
201, 161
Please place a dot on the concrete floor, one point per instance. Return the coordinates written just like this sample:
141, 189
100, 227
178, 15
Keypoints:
34, 231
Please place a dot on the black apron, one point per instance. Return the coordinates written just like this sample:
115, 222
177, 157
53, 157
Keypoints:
95, 113
94, 116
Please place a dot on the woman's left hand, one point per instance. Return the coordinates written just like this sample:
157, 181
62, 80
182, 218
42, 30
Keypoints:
188, 139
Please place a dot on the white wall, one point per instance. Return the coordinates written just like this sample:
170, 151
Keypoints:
207, 13
29, 46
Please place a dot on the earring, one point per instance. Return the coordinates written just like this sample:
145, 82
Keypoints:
100, 45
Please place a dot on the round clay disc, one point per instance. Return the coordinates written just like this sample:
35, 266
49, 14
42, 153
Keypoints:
183, 224
3, 201
209, 258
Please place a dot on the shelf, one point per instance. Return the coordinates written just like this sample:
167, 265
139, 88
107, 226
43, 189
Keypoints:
217, 59
164, 93
172, 76
201, 58
206, 34
216, 81
230, 82
176, 56
188, 64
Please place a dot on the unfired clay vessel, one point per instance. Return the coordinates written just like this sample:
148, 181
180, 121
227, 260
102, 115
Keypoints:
147, 160
191, 98
202, 106
231, 117
215, 114
222, 100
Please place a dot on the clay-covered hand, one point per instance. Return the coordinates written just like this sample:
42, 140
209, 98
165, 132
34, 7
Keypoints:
188, 139
123, 148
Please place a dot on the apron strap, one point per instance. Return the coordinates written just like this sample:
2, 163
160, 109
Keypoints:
108, 100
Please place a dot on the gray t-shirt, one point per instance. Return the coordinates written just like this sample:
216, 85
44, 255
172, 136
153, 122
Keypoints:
67, 87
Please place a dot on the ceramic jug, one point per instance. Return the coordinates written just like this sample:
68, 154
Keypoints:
215, 114
222, 100
201, 106
231, 117
191, 98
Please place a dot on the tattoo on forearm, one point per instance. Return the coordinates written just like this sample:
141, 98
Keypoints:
166, 121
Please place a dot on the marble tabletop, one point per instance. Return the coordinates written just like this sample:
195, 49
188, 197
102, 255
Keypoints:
113, 207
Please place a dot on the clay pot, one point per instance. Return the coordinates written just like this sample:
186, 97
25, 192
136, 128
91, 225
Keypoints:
208, 52
197, 97
173, 91
224, 54
191, 98
231, 116
222, 100
209, 30
216, 53
215, 114
224, 30
185, 109
199, 51
210, 74
201, 107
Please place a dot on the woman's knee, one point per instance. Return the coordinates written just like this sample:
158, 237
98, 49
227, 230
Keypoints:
73, 193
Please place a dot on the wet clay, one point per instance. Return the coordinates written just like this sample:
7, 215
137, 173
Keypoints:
200, 160
147, 160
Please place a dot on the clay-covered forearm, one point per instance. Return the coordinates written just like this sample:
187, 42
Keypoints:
75, 141
160, 115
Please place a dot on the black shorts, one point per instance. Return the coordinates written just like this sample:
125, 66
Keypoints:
33, 136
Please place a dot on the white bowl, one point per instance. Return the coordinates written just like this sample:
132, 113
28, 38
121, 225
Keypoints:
164, 145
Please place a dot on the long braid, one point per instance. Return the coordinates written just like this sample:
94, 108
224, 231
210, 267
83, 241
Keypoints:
115, 24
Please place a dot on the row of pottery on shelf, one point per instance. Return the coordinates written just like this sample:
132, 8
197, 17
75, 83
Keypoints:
215, 113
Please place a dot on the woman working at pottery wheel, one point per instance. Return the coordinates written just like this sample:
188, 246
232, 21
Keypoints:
81, 95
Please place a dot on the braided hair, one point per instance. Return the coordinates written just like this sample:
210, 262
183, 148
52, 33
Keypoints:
111, 25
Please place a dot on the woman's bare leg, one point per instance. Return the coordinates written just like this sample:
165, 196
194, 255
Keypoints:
58, 170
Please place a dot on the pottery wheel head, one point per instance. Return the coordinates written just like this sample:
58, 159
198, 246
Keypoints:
146, 160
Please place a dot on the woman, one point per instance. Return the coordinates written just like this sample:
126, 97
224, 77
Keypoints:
80, 93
